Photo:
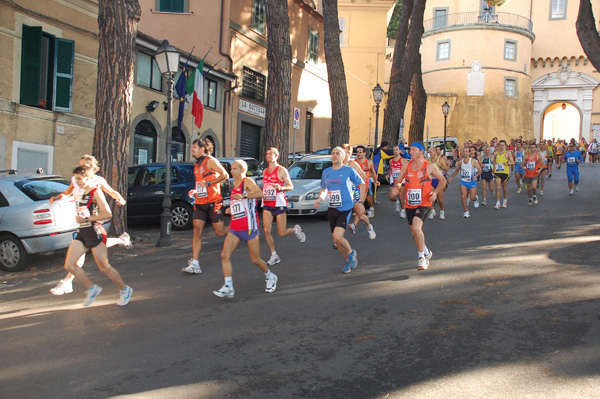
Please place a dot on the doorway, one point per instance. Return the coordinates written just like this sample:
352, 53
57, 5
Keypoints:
562, 120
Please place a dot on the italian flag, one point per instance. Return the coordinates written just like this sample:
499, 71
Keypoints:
195, 89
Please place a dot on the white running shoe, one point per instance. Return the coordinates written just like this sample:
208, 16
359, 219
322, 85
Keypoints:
273, 259
371, 213
352, 228
429, 256
225, 292
542, 193
422, 263
299, 234
504, 203
191, 268
442, 215
271, 284
476, 202
92, 293
398, 206
576, 188
497, 206
466, 214
571, 192
403, 213
63, 287
125, 296
371, 231
126, 240
432, 214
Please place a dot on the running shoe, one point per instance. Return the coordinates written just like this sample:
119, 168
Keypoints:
519, 191
63, 287
571, 192
422, 263
398, 206
225, 292
484, 202
273, 260
542, 193
476, 202
191, 268
352, 228
497, 206
504, 203
403, 213
92, 293
371, 231
126, 240
535, 200
576, 188
429, 256
353, 259
347, 269
371, 213
299, 234
271, 284
550, 176
125, 296
466, 214
442, 215
334, 246
530, 202
468, 201
432, 214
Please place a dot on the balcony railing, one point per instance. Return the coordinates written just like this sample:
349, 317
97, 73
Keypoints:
478, 18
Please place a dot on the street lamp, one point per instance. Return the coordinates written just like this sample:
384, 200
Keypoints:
377, 96
167, 58
445, 110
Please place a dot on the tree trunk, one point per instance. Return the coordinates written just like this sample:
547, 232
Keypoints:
279, 83
117, 23
419, 103
338, 91
587, 33
402, 72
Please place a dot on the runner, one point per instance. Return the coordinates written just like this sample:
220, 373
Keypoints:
469, 172
438, 160
209, 173
572, 157
583, 145
359, 209
92, 209
533, 165
336, 182
65, 286
593, 151
549, 156
544, 155
369, 169
396, 164
243, 227
419, 197
559, 149
276, 180
487, 173
501, 173
519, 171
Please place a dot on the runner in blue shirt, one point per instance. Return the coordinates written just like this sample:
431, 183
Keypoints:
336, 183
572, 157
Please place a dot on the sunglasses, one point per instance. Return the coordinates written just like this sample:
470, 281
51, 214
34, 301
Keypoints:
360, 152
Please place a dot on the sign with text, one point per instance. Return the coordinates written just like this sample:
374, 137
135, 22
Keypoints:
253, 109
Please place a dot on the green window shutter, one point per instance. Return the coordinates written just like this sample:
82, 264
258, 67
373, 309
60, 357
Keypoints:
31, 64
63, 75
171, 5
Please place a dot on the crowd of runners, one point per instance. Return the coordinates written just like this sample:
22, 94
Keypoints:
418, 179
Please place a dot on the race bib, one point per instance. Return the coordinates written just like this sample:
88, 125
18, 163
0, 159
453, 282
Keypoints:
395, 174
201, 192
519, 159
269, 193
335, 198
465, 175
487, 167
500, 167
83, 212
238, 210
571, 160
530, 165
413, 196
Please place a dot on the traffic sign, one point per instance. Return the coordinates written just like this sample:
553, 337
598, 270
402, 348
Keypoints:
296, 118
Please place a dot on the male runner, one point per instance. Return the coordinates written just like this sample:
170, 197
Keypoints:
359, 209
593, 151
369, 169
519, 171
209, 173
487, 173
549, 156
469, 172
396, 165
533, 165
502, 163
572, 157
276, 181
336, 183
419, 196
435, 153
559, 151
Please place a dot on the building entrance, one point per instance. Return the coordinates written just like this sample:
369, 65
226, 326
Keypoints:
562, 120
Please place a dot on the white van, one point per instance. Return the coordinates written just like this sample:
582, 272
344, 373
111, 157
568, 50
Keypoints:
437, 141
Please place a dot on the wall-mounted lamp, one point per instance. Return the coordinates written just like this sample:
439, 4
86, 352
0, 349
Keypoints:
165, 105
152, 106
564, 106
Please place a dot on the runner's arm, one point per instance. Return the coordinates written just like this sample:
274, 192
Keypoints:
321, 198
60, 196
284, 175
251, 189
214, 165
104, 211
112, 192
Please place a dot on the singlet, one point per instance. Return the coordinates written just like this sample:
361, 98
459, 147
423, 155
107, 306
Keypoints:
86, 207
559, 149
519, 158
212, 193
439, 166
395, 169
271, 196
550, 151
467, 170
531, 166
571, 158
418, 187
244, 213
78, 192
486, 165
544, 155
339, 185
593, 148
365, 167
501, 160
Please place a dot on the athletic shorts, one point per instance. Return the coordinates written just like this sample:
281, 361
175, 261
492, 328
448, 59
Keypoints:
573, 174
504, 177
91, 236
487, 176
420, 212
468, 184
519, 169
276, 210
211, 210
245, 235
529, 180
550, 160
338, 218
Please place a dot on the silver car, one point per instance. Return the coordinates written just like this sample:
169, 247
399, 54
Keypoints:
306, 177
28, 223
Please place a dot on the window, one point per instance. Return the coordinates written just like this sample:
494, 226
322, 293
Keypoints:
342, 24
147, 73
558, 9
313, 46
443, 50
510, 50
175, 6
46, 70
253, 84
440, 17
144, 143
178, 142
510, 87
210, 94
258, 16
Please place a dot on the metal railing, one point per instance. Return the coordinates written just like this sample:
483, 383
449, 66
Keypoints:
478, 18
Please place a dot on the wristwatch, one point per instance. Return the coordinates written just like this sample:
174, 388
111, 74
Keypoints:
87, 220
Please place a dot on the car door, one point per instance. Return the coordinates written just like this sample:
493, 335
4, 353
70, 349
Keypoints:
150, 191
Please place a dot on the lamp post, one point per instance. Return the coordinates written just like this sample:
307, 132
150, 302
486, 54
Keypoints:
445, 110
167, 58
377, 96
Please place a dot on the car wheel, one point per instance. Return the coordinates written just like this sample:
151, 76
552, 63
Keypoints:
181, 216
12, 254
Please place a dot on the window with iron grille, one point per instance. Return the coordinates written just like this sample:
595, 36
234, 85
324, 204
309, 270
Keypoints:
253, 85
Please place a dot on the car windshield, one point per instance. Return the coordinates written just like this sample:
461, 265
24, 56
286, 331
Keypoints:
43, 188
254, 168
308, 169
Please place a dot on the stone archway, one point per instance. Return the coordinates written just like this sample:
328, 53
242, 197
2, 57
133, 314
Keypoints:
563, 86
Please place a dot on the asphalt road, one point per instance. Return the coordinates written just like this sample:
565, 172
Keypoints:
508, 309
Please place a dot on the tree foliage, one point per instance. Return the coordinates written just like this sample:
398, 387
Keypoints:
588, 33
392, 28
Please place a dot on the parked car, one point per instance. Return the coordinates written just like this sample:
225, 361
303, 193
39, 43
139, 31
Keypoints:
29, 224
439, 141
306, 177
255, 172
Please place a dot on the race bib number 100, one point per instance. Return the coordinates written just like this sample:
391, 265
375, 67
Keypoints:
413, 196
335, 198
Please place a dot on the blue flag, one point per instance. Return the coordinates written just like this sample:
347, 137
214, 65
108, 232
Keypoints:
180, 92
